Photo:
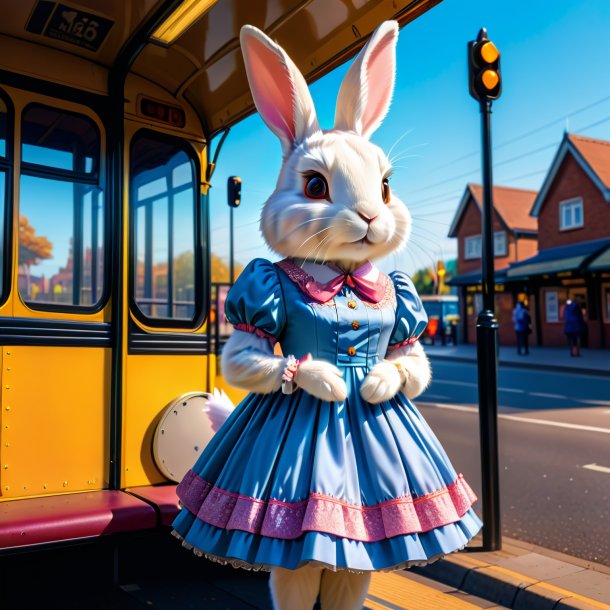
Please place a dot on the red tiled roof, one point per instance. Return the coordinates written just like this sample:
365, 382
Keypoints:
596, 153
513, 205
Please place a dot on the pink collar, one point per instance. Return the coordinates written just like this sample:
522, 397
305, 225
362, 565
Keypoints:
366, 281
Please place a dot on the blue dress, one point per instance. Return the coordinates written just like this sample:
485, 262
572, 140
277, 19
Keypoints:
292, 479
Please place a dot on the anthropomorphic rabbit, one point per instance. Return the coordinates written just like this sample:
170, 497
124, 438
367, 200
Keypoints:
326, 471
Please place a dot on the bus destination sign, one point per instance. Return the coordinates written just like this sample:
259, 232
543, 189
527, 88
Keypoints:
69, 25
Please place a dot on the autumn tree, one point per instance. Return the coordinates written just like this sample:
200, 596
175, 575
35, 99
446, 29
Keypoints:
32, 248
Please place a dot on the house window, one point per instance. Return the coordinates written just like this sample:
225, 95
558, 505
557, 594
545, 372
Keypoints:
500, 243
472, 247
571, 214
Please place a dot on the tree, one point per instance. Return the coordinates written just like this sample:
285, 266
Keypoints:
426, 282
32, 248
220, 270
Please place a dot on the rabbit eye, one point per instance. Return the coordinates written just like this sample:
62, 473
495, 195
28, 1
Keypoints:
385, 190
315, 186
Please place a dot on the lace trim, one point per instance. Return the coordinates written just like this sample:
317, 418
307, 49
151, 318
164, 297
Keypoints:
322, 513
265, 567
300, 277
389, 296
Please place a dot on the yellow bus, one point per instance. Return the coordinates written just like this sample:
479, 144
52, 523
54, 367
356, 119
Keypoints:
107, 313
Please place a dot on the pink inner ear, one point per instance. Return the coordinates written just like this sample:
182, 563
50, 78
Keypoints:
271, 87
380, 76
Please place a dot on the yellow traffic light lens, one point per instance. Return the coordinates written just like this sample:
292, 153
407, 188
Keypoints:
490, 79
489, 52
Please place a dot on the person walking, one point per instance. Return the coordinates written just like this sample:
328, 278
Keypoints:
573, 325
522, 321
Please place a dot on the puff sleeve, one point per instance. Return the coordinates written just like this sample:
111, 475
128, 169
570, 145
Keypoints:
411, 318
255, 304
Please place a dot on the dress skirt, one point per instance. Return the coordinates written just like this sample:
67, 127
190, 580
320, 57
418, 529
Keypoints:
292, 480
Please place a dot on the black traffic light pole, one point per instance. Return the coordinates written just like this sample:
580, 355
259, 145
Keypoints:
233, 199
487, 356
485, 85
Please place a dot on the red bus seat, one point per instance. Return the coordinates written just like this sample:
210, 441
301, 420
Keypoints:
66, 517
163, 497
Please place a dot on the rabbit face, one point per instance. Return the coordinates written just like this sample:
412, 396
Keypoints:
332, 201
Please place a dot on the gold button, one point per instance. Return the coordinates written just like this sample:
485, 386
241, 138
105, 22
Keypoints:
351, 304
351, 350
355, 325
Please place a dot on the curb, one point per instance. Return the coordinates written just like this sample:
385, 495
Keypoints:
528, 365
508, 587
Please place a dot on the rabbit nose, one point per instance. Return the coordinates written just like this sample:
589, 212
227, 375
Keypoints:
367, 219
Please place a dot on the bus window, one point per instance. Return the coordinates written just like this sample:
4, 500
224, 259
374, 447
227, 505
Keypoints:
165, 285
4, 182
3, 127
61, 210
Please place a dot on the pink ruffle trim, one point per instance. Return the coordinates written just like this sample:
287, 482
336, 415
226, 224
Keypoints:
322, 513
248, 328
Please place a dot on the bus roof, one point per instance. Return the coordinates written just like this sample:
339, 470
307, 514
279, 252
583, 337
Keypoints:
203, 66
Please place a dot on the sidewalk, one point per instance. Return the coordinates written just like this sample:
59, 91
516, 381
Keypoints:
524, 577
592, 361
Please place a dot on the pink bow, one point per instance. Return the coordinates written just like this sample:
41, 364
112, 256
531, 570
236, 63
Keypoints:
372, 291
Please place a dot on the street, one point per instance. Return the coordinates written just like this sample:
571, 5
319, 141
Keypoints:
554, 434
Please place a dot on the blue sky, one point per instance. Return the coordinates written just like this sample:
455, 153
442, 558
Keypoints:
556, 74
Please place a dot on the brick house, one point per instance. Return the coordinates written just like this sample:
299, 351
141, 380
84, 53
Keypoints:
573, 260
515, 239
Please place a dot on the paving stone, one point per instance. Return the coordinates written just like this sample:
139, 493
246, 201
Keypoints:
540, 567
586, 583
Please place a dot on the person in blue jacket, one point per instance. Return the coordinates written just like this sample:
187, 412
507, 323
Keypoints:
522, 321
573, 325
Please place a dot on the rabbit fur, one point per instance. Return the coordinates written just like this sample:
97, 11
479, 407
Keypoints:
351, 226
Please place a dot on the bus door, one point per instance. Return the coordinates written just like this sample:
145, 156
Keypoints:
54, 317
166, 342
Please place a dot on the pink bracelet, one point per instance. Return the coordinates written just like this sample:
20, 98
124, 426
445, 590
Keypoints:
290, 371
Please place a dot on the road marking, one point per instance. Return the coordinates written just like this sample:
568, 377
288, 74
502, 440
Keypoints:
597, 468
527, 420
453, 407
513, 390
545, 395
468, 384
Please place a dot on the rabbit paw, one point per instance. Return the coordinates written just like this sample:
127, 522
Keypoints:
322, 380
382, 383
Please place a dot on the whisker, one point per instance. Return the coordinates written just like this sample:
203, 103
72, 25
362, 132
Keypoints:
315, 245
398, 140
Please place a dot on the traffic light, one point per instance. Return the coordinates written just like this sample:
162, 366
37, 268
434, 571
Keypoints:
484, 79
234, 191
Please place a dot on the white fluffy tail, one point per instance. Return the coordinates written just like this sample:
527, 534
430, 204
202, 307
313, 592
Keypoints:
218, 408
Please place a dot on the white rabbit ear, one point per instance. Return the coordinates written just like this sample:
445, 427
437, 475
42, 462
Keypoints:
366, 91
279, 90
